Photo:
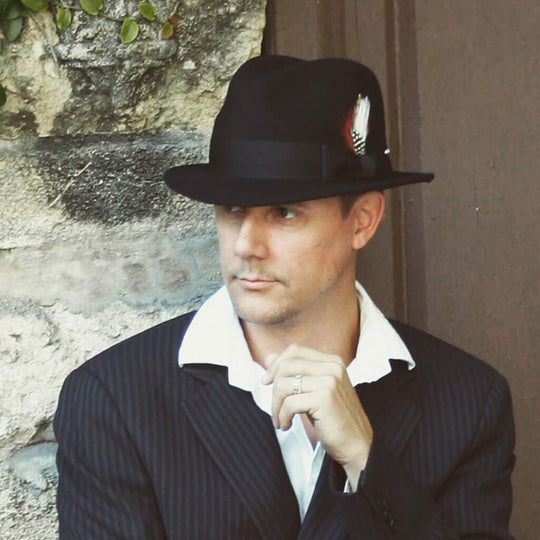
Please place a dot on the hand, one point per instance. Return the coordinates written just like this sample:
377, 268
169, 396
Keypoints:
329, 401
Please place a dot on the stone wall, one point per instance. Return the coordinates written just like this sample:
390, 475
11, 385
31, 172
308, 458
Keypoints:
93, 247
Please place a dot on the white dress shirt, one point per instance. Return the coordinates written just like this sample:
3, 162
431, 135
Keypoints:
226, 346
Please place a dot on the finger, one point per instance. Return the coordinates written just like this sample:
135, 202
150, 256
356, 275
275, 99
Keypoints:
293, 404
308, 403
285, 387
309, 368
289, 365
298, 352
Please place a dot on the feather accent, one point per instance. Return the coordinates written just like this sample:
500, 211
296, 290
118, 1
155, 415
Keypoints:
360, 124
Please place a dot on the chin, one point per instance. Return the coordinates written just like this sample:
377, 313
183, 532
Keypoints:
256, 313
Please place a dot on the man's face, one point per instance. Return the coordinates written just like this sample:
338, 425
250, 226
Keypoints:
281, 263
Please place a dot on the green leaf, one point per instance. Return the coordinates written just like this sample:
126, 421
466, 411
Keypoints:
63, 17
12, 28
129, 30
10, 9
167, 30
36, 5
147, 10
3, 95
92, 7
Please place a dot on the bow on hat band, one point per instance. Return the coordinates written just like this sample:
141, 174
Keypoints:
298, 160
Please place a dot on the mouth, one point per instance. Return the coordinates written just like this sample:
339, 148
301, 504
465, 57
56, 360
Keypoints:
253, 283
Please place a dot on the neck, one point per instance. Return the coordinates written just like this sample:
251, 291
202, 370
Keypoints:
331, 329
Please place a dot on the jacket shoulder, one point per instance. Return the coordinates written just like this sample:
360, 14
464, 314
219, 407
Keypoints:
441, 363
155, 348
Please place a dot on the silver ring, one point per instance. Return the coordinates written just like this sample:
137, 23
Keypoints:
297, 384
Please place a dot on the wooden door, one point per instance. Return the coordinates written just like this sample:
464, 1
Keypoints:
458, 257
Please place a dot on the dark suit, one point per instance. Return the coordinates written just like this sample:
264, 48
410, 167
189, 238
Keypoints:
150, 450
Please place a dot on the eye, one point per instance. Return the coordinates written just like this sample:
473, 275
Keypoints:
285, 212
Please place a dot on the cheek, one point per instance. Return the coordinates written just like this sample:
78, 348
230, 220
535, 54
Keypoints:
311, 261
226, 242
330, 257
327, 250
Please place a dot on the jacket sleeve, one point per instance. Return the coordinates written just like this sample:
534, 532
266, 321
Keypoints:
104, 490
472, 501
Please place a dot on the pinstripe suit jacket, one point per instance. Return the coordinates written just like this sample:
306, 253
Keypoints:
148, 451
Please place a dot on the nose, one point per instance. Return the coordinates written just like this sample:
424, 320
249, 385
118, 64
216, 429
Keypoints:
251, 239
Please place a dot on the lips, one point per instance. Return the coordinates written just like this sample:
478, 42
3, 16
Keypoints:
254, 282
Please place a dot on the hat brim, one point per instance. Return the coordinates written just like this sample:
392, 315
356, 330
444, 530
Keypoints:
203, 183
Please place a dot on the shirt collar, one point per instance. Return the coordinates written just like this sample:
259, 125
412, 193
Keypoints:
216, 337
377, 345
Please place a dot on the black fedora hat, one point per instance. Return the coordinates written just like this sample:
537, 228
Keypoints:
294, 130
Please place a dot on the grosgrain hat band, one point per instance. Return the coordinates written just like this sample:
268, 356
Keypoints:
299, 160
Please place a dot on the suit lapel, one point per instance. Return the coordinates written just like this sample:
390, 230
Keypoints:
323, 518
241, 439
391, 405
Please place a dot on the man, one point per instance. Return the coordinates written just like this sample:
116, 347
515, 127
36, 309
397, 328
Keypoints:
287, 406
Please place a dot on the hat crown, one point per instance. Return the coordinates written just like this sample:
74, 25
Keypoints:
280, 98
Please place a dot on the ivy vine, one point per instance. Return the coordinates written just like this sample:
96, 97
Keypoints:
14, 12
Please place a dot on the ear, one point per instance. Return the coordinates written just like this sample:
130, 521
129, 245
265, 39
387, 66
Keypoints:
366, 213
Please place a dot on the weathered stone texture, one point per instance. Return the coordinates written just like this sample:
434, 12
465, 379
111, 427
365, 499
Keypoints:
93, 246
29, 478
77, 276
83, 80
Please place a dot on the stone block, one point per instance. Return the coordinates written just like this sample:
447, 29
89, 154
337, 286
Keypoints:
83, 80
